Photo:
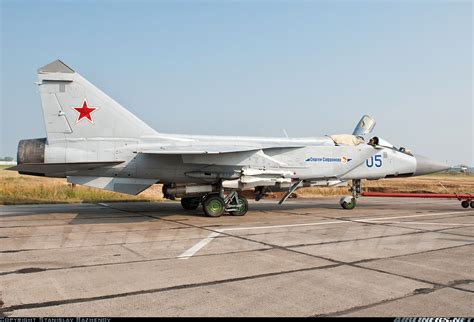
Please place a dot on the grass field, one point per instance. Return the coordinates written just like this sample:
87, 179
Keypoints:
433, 183
19, 189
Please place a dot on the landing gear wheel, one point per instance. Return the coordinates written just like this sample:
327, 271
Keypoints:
348, 202
190, 203
472, 204
213, 205
465, 204
243, 207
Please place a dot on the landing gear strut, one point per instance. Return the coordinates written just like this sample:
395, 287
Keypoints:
236, 205
349, 202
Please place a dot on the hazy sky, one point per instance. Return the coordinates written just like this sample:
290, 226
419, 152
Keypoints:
254, 68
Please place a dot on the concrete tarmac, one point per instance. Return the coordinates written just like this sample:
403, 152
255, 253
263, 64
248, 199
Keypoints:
308, 257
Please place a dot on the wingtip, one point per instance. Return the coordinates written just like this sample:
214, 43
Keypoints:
56, 66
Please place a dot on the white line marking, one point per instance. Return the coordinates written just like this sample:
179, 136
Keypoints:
103, 204
422, 215
193, 250
341, 221
425, 223
284, 226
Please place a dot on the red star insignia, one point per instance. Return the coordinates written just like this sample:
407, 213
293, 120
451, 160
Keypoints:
85, 112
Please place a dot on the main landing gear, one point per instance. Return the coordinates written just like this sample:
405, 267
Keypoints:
214, 205
190, 203
349, 202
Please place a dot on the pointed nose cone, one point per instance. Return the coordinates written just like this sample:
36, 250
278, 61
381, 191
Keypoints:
425, 166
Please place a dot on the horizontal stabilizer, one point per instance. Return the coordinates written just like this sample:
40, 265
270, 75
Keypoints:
49, 169
131, 186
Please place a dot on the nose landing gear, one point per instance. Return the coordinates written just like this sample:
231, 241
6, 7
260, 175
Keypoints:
349, 202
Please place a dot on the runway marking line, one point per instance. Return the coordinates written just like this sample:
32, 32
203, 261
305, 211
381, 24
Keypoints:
193, 250
201, 244
425, 223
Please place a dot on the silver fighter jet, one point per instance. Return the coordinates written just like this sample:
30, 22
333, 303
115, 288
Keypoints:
94, 141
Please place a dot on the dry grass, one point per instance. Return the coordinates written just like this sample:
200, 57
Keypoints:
18, 189
434, 183
441, 183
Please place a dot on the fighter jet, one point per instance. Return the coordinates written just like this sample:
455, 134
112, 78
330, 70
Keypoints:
92, 140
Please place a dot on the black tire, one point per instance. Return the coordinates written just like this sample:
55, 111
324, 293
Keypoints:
190, 203
349, 205
465, 204
213, 206
244, 207
472, 204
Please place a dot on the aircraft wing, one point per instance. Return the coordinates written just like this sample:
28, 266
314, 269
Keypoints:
214, 149
49, 169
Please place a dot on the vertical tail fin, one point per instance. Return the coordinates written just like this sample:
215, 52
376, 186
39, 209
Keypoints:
74, 108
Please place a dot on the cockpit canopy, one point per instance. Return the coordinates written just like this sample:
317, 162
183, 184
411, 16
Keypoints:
383, 143
347, 139
353, 140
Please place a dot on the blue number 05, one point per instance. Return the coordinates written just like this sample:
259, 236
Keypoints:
374, 160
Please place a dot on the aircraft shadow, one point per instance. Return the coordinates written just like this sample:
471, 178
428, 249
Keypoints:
136, 212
